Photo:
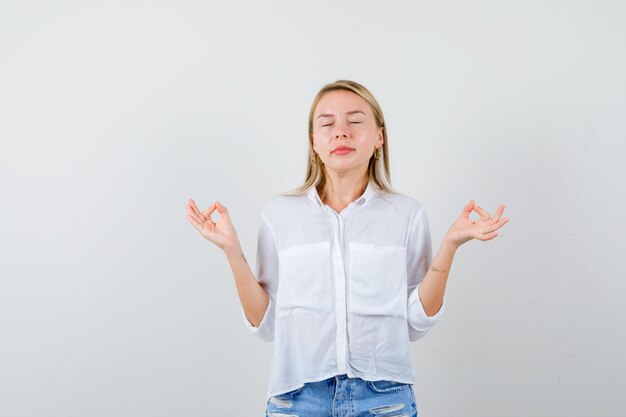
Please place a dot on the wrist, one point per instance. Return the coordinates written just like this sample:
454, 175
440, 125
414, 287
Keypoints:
232, 250
449, 246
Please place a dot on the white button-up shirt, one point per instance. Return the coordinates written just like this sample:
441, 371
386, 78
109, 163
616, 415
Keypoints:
343, 287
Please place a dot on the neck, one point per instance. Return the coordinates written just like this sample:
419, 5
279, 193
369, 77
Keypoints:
341, 190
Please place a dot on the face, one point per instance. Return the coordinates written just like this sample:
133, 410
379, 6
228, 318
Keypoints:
343, 118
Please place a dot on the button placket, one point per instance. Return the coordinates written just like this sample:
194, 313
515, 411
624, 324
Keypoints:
339, 270
340, 290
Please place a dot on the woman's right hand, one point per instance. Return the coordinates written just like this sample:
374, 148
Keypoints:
222, 232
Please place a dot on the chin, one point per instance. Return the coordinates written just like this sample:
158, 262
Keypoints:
339, 167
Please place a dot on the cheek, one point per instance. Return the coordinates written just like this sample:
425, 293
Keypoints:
323, 141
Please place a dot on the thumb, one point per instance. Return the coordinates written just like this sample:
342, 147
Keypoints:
467, 210
221, 209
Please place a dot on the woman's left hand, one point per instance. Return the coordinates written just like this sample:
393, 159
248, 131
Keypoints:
484, 228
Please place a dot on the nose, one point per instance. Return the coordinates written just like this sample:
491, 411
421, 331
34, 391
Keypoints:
341, 130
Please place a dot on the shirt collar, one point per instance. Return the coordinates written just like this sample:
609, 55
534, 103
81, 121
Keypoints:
366, 196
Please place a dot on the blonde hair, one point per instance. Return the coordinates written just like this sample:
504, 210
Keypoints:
378, 170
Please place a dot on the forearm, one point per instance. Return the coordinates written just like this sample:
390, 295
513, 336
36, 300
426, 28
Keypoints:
433, 286
253, 297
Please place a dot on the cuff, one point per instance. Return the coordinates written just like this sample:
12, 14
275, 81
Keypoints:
417, 316
249, 325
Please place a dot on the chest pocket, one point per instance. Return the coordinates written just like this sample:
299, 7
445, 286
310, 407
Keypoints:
304, 280
377, 284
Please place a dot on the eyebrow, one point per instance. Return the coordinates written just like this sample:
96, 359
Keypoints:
332, 115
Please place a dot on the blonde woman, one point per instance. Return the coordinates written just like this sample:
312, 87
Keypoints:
345, 278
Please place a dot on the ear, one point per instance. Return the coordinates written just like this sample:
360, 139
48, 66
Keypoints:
381, 138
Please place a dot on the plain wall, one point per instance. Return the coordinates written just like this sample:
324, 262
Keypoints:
113, 114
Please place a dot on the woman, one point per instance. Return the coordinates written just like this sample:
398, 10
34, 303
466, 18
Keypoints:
345, 277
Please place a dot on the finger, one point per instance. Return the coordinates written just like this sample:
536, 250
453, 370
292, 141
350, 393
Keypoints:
484, 234
502, 222
192, 206
483, 214
495, 226
194, 222
467, 210
490, 236
207, 213
496, 217
489, 230
198, 218
221, 209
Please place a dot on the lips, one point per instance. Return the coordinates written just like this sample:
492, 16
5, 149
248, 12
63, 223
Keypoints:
343, 148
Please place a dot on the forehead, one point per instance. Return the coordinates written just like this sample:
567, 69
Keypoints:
341, 101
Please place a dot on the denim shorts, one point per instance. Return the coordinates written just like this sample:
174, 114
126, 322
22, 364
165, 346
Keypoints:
340, 396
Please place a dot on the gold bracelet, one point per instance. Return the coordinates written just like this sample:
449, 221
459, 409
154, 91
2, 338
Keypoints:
438, 270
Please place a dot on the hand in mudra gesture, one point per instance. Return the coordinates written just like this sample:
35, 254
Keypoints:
222, 232
464, 229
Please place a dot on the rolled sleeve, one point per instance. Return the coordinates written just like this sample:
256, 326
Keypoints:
418, 319
419, 259
265, 330
266, 274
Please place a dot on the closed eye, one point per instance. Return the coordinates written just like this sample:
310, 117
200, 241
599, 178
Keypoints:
330, 124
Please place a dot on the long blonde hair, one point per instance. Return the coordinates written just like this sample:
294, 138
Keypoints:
378, 170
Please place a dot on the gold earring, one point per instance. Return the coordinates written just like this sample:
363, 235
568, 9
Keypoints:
377, 153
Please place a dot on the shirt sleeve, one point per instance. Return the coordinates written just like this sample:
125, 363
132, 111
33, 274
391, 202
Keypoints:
419, 259
266, 273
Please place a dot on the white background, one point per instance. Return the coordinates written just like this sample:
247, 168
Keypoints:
114, 113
